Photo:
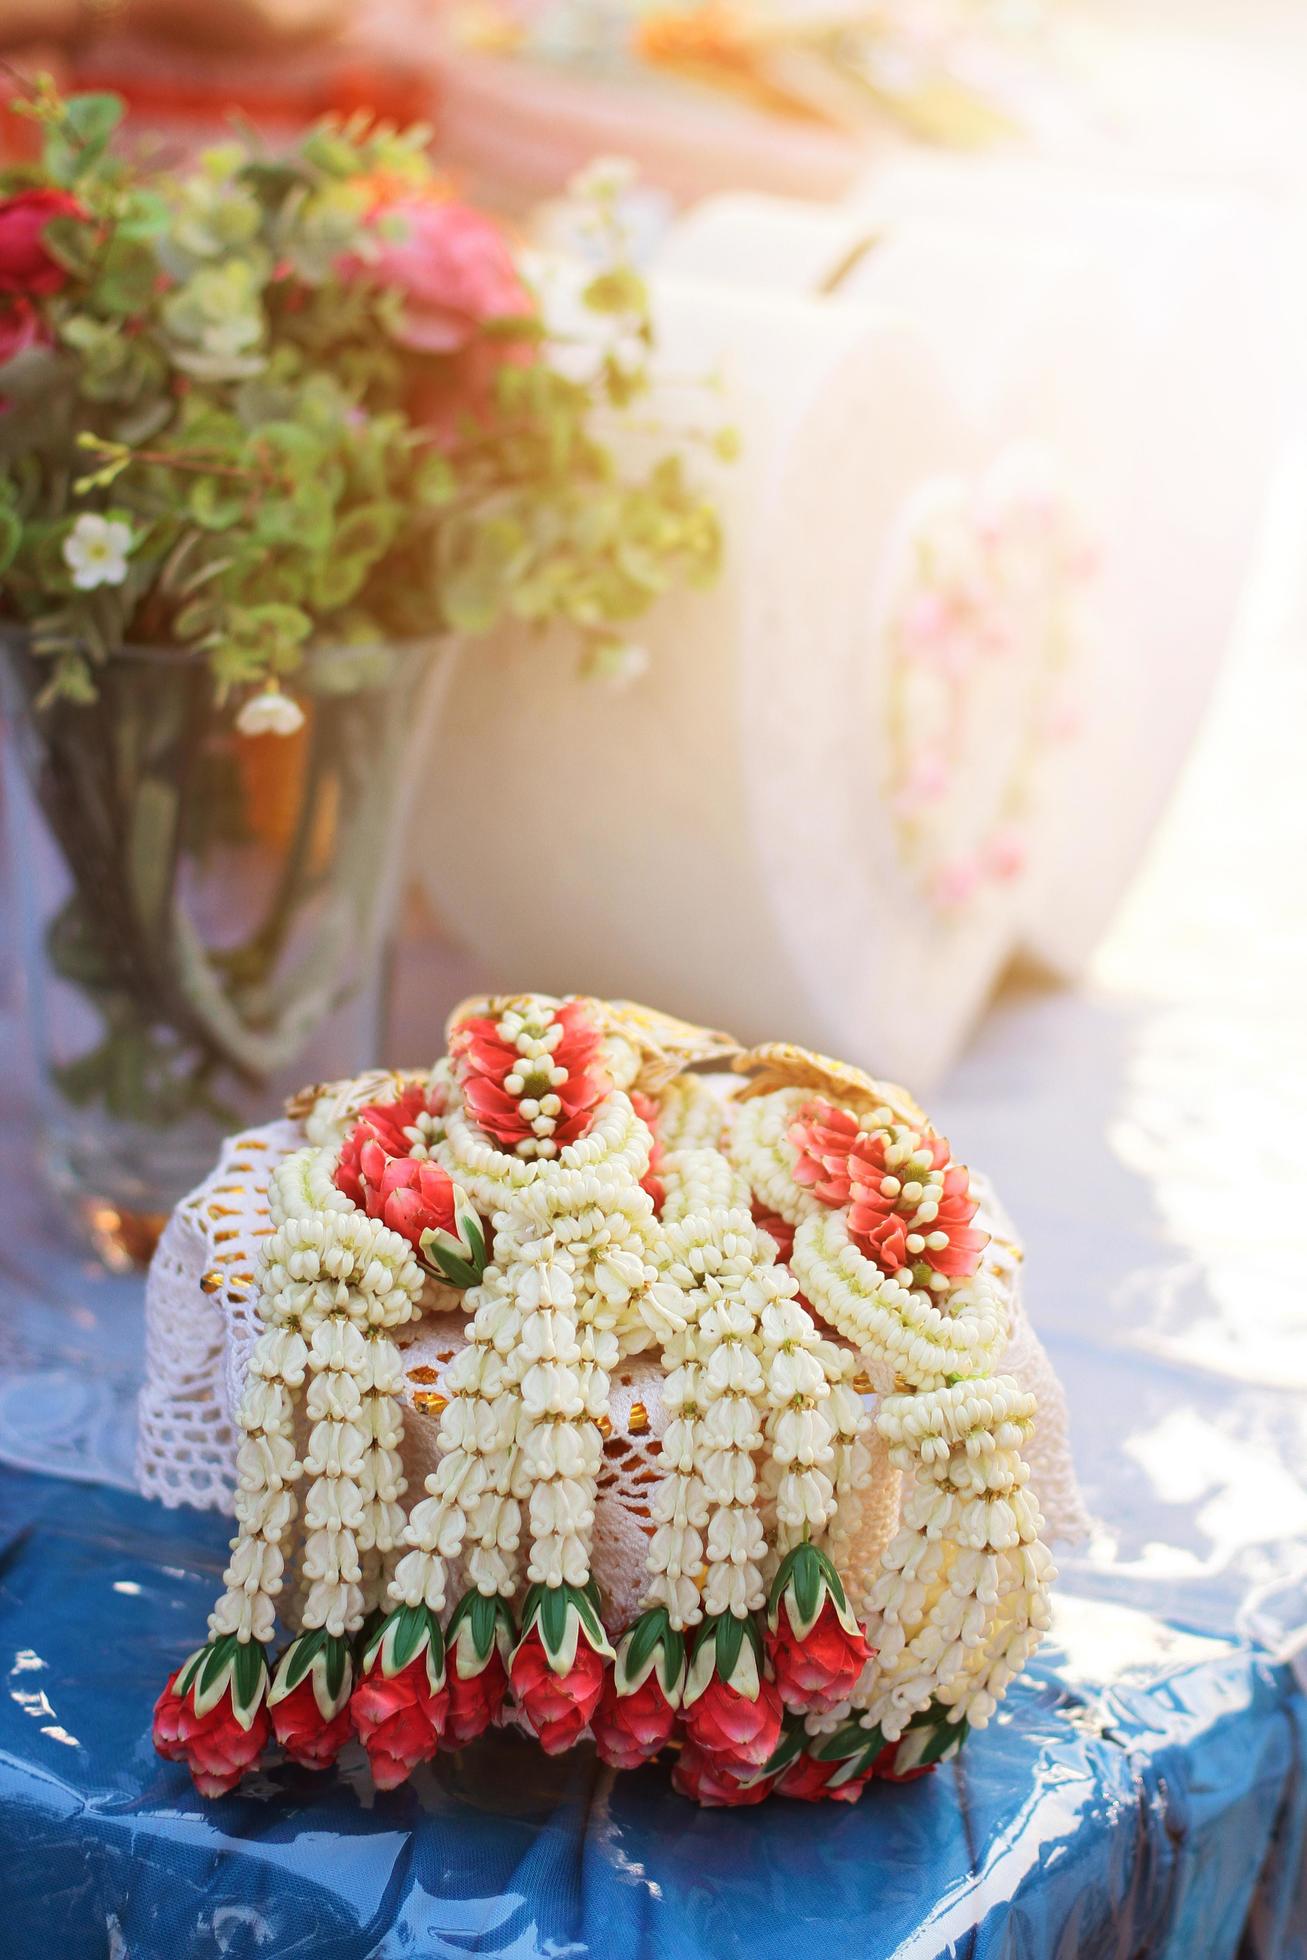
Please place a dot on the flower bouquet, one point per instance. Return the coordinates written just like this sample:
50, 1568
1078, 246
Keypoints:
646, 1494
275, 430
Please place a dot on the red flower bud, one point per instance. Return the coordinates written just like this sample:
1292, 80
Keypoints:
884, 1771
213, 1715
302, 1731
643, 1692
167, 1722
557, 1706
729, 1708
477, 1641
734, 1728
400, 1705
809, 1781
309, 1699
816, 1672
411, 1196
631, 1729
705, 1777
474, 1700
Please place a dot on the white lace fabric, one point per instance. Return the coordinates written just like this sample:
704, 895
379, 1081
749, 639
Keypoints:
202, 1322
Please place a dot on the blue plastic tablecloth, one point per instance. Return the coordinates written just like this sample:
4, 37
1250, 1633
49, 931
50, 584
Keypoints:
1162, 1814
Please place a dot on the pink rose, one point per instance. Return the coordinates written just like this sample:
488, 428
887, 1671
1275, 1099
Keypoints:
452, 266
27, 266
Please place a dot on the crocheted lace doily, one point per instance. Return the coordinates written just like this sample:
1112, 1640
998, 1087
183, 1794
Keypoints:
201, 1323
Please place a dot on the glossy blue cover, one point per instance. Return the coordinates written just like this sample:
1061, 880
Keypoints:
1142, 1793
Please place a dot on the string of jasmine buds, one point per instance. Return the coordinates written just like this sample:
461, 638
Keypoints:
923, 1343
700, 1181
799, 1430
475, 1494
851, 1461
590, 1270
469, 1486
564, 1393
618, 1142
758, 1143
324, 1264
712, 1259
690, 1115
962, 1600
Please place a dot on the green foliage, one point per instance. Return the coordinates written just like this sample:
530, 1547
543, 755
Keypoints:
227, 362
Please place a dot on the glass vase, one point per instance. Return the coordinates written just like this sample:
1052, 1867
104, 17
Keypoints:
204, 917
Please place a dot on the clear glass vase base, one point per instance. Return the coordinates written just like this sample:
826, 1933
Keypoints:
121, 1231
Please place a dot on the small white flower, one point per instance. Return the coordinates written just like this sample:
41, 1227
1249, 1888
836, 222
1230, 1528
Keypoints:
270, 713
619, 664
95, 551
604, 178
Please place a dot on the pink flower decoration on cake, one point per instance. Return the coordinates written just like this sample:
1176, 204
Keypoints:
956, 882
1006, 854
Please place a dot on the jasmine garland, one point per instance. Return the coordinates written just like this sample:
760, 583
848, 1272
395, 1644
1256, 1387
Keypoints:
766, 1644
